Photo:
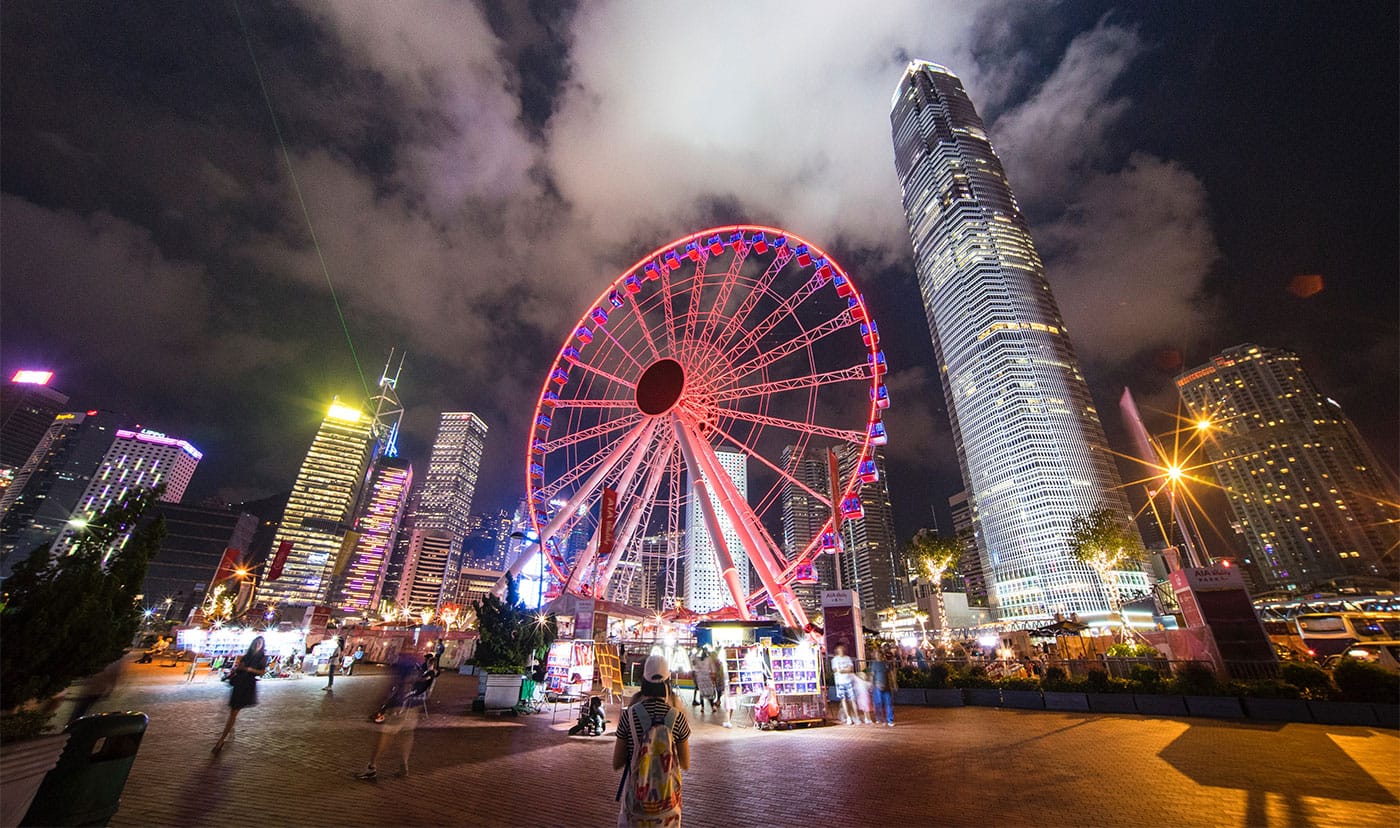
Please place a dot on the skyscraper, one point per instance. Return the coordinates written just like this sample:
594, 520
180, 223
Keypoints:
320, 509
431, 569
1029, 440
378, 527
704, 588
871, 562
36, 507
27, 408
969, 562
803, 517
141, 459
1314, 506
180, 574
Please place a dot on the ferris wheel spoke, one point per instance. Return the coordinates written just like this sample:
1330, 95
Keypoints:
697, 287
646, 329
855, 372
586, 403
731, 280
593, 369
756, 293
784, 309
824, 500
626, 352
668, 321
701, 492
844, 319
641, 509
812, 429
591, 433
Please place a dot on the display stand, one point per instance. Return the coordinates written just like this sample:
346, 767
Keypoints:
609, 670
797, 680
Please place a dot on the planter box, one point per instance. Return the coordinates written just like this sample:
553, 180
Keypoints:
23, 766
1387, 715
943, 697
1342, 713
1112, 702
1214, 707
502, 691
912, 695
1277, 710
1160, 705
1056, 700
1023, 699
982, 696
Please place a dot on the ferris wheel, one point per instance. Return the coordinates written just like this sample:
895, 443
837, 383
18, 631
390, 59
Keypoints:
735, 347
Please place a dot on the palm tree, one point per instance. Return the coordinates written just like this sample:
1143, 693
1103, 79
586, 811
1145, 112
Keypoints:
933, 555
1103, 541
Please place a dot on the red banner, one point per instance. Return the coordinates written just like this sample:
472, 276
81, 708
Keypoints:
226, 565
275, 571
607, 522
834, 474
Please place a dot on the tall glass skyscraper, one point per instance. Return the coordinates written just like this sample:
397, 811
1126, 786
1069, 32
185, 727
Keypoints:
705, 590
321, 507
1315, 508
376, 531
1029, 440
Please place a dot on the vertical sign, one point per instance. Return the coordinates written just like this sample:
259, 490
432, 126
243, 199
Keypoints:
275, 571
583, 619
226, 564
607, 522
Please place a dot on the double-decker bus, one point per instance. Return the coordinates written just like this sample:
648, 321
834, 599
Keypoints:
1329, 633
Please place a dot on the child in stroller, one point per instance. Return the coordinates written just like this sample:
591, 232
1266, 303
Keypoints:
591, 721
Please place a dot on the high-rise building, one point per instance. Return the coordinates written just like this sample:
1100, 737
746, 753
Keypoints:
871, 561
141, 459
705, 590
320, 509
431, 569
362, 583
1315, 508
36, 507
180, 574
974, 582
803, 517
27, 408
1029, 441
445, 500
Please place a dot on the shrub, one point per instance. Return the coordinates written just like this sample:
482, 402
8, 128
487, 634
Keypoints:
1020, 683
1132, 649
974, 676
1144, 679
1098, 681
938, 677
1312, 681
23, 724
1264, 689
1195, 679
1361, 681
1056, 680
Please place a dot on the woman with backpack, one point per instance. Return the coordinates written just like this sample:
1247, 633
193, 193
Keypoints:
653, 746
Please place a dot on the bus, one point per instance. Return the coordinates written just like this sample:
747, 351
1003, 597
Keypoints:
1330, 633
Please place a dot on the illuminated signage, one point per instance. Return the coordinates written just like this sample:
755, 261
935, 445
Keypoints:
32, 377
343, 413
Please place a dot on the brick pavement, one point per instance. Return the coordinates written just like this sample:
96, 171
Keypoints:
294, 757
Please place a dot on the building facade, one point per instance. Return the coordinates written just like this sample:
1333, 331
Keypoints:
704, 588
27, 408
444, 502
871, 560
320, 509
181, 573
431, 568
362, 583
1316, 510
803, 518
974, 582
1029, 441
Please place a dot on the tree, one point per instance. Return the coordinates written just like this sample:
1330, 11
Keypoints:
1103, 541
70, 617
510, 632
933, 555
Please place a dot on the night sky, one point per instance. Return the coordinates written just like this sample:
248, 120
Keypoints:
476, 173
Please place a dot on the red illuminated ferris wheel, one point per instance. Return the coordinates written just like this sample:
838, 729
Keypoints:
735, 344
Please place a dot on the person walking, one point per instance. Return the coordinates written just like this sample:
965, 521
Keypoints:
882, 685
653, 744
843, 671
244, 681
333, 663
400, 720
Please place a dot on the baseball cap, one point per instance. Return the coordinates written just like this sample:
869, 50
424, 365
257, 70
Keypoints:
656, 669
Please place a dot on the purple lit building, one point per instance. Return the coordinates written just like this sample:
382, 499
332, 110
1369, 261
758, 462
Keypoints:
363, 581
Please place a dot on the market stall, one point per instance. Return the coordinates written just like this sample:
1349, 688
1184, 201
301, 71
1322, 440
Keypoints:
753, 653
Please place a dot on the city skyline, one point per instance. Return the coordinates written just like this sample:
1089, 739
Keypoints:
1123, 135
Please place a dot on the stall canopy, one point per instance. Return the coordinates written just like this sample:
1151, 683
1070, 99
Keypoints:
1059, 628
567, 604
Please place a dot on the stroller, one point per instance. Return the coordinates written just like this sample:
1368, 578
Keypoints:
591, 720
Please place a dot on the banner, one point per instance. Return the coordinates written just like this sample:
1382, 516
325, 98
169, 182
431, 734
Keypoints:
226, 565
275, 571
833, 471
607, 522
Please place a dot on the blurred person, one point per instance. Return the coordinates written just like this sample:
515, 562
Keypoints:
843, 678
765, 708
244, 683
402, 674
93, 689
333, 663
653, 745
591, 719
705, 681
882, 685
727, 702
860, 688
400, 720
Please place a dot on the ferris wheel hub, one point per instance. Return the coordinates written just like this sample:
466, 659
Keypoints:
660, 386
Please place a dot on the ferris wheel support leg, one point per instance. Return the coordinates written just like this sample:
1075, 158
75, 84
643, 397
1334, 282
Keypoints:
563, 515
742, 519
624, 483
707, 508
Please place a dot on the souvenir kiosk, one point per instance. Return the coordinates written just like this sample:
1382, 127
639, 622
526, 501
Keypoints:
755, 651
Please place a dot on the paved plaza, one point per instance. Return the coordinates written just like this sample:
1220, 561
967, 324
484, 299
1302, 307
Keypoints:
295, 755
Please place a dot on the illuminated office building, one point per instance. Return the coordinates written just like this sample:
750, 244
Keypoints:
705, 590
871, 560
362, 583
1029, 441
431, 569
803, 518
1315, 508
319, 511
27, 408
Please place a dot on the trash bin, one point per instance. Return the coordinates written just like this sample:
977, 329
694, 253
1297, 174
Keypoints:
86, 785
